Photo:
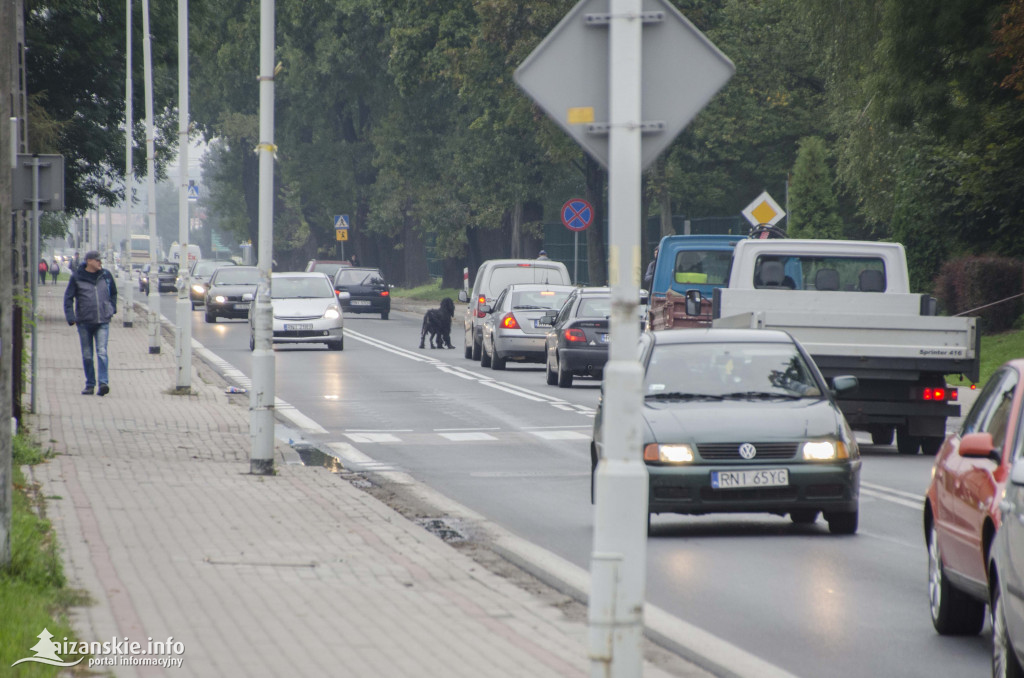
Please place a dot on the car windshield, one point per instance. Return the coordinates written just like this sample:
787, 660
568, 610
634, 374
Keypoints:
348, 276
740, 371
595, 307
242, 276
208, 266
539, 299
306, 287
167, 268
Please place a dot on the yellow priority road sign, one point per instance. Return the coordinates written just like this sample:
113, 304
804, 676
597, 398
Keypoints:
764, 210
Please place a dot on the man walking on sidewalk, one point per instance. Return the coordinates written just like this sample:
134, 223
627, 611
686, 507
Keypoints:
90, 301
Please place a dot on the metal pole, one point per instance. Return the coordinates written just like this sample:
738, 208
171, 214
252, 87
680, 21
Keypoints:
34, 249
183, 327
619, 560
129, 170
261, 399
575, 256
154, 289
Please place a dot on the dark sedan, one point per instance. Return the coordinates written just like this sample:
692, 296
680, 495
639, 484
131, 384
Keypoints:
199, 278
231, 290
577, 343
742, 421
166, 277
368, 291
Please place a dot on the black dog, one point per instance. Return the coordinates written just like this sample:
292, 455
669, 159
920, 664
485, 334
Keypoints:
437, 322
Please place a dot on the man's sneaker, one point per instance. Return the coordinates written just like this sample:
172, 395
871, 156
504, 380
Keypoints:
87, 390
104, 390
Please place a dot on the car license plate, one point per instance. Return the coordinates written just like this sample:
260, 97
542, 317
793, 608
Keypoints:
603, 338
359, 302
765, 477
241, 307
300, 326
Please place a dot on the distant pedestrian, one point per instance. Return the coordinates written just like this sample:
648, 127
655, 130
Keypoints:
542, 256
649, 275
90, 301
75, 263
54, 269
43, 268
354, 260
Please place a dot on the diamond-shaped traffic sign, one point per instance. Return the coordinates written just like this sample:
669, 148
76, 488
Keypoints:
567, 75
764, 210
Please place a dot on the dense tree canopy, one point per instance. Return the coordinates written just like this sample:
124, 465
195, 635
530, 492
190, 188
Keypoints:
404, 115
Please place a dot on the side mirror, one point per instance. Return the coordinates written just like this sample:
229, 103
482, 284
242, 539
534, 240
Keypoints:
463, 297
485, 308
1017, 473
844, 383
980, 446
548, 319
645, 297
693, 302
342, 295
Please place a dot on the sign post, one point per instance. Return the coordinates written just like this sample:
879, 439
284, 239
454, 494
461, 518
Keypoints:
577, 215
623, 78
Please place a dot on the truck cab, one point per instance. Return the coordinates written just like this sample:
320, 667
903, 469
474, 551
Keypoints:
688, 262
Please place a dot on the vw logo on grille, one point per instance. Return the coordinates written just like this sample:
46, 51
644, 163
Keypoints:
747, 451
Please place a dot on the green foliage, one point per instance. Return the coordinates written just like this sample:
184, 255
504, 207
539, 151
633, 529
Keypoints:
985, 287
813, 211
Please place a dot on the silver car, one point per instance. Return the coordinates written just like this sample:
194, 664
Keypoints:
306, 311
511, 330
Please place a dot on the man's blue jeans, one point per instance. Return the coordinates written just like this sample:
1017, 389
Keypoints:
94, 335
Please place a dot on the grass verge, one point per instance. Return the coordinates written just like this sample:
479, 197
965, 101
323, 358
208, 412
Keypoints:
33, 591
429, 292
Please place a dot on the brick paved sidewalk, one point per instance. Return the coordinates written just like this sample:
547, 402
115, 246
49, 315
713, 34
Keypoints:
298, 574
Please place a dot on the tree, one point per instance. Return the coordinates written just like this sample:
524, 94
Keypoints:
813, 208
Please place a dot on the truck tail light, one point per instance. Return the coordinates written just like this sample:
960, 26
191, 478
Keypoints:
940, 394
574, 334
509, 322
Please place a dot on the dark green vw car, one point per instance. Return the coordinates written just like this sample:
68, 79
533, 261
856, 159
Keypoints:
742, 421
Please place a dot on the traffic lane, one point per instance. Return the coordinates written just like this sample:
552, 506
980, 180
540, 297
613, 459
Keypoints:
807, 601
499, 481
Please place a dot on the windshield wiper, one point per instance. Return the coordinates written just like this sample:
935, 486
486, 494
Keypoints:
761, 395
677, 395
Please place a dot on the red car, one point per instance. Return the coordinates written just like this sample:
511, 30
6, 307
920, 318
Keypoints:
961, 511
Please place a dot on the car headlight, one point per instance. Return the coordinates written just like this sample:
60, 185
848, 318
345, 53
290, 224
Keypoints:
332, 313
220, 299
199, 289
824, 450
677, 453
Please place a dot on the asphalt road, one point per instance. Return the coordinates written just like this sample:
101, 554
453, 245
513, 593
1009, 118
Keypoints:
516, 450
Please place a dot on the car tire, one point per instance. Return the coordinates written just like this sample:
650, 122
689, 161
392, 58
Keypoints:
485, 357
193, 305
564, 377
384, 315
882, 435
210, 318
843, 522
552, 378
906, 443
252, 343
477, 349
953, 612
930, 445
1004, 657
336, 345
803, 516
497, 362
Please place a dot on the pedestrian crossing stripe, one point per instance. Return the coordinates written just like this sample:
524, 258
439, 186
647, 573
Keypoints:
465, 436
459, 436
373, 438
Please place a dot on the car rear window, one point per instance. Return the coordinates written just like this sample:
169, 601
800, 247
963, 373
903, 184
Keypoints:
347, 276
709, 267
537, 299
595, 307
503, 276
819, 273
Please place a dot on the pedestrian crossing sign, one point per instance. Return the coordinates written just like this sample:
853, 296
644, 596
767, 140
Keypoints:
193, 191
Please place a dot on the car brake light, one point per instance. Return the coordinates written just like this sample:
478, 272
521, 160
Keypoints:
574, 334
524, 265
384, 293
509, 322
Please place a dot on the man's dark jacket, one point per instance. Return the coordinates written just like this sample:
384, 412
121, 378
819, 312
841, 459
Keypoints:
90, 297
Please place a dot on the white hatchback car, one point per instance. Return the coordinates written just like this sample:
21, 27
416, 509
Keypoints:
511, 330
306, 311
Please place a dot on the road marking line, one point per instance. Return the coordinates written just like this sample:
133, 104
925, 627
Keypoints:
894, 500
899, 493
465, 436
560, 435
373, 438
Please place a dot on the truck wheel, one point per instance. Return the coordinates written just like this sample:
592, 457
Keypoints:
882, 435
906, 443
930, 445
